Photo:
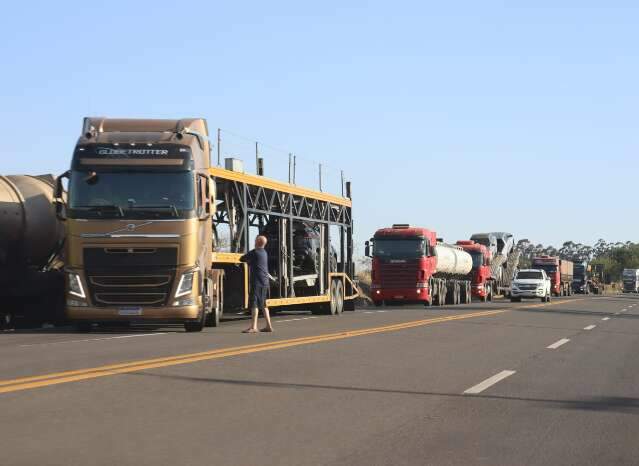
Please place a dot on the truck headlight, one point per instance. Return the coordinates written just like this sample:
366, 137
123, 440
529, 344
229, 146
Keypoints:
186, 284
75, 285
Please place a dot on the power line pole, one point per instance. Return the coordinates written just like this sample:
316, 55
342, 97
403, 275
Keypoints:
219, 142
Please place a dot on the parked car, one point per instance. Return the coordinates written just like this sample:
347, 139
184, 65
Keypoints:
306, 246
531, 283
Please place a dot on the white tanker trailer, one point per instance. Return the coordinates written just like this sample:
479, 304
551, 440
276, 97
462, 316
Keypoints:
31, 236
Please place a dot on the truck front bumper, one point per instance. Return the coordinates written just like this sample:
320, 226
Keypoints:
176, 314
407, 295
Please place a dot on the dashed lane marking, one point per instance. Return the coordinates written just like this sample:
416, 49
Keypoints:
489, 382
589, 327
558, 343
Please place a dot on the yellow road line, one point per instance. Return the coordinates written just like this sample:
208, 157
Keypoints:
553, 303
26, 383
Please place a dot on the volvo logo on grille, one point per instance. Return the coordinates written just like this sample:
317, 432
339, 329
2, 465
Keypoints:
131, 226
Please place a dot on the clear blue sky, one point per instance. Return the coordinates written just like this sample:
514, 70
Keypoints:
460, 116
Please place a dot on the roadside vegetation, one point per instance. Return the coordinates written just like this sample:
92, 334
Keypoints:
613, 256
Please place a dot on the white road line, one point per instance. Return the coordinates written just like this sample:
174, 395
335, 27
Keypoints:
299, 318
480, 387
590, 327
558, 343
97, 339
624, 310
606, 318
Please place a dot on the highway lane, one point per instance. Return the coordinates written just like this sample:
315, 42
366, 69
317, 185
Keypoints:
481, 389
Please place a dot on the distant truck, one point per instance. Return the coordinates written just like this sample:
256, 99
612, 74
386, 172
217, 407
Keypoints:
560, 272
482, 282
581, 282
504, 260
630, 280
410, 265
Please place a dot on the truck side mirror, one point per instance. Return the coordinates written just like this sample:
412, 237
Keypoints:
367, 249
58, 197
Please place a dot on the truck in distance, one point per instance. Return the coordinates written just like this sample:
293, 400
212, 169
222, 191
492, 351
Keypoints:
560, 272
581, 281
630, 279
504, 258
482, 283
531, 283
411, 266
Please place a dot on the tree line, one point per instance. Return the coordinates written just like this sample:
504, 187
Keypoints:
613, 256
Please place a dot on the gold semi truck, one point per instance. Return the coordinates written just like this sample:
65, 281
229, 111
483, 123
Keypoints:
146, 216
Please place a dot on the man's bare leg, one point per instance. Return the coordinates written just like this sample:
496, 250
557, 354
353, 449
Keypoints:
267, 317
253, 327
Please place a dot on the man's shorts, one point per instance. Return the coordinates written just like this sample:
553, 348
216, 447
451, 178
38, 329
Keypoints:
257, 297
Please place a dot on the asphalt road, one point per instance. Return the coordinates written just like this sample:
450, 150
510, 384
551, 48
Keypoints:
488, 384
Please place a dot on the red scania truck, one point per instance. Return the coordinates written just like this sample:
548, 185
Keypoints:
411, 266
481, 275
560, 272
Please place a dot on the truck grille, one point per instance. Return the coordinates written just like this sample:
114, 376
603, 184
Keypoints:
149, 289
398, 275
130, 276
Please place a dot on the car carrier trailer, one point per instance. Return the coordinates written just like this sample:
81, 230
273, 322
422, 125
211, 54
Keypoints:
142, 216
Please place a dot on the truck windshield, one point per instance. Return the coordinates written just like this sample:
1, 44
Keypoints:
399, 248
478, 259
550, 269
529, 275
131, 195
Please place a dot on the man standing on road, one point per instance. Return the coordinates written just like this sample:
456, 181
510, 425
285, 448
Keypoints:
257, 261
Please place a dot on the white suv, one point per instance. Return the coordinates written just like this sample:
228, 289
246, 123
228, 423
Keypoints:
530, 283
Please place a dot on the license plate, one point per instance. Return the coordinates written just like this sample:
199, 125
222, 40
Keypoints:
399, 297
130, 311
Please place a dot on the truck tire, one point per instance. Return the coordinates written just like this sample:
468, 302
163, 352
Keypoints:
490, 294
339, 295
212, 318
378, 303
196, 325
515, 300
548, 297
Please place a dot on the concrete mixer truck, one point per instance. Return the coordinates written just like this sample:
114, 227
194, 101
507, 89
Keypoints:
31, 238
410, 265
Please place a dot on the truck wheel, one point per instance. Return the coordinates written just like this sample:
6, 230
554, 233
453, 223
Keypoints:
198, 325
490, 294
378, 303
333, 304
339, 295
212, 318
548, 298
515, 300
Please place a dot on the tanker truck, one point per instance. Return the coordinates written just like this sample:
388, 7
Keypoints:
31, 238
410, 265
